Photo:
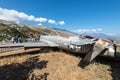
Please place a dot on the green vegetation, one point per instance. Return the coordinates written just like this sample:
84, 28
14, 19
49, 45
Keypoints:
10, 29
7, 31
47, 30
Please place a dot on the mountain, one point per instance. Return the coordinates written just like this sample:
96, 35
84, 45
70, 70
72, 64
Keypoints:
117, 36
66, 31
10, 29
100, 35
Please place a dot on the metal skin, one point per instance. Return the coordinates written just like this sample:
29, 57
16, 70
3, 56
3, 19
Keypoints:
87, 45
92, 48
102, 47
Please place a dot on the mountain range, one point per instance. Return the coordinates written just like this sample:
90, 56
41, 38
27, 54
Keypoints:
10, 29
102, 35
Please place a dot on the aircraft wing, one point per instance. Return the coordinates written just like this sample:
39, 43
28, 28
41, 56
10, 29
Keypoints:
31, 45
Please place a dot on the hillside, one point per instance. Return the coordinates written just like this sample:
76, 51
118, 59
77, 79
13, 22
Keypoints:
11, 29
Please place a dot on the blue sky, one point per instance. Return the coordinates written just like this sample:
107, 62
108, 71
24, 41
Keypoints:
80, 16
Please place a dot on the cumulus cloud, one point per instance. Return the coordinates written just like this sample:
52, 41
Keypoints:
54, 22
39, 24
87, 30
61, 22
17, 22
93, 30
51, 21
13, 15
82, 30
99, 29
41, 19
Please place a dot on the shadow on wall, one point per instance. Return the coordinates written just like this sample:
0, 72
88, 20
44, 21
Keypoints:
23, 71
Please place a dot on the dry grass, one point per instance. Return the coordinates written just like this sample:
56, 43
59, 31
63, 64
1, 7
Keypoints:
118, 48
17, 65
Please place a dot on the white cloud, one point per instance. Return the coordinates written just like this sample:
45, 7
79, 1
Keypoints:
54, 22
13, 15
61, 22
93, 30
41, 19
87, 30
17, 22
99, 29
39, 24
82, 30
51, 21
